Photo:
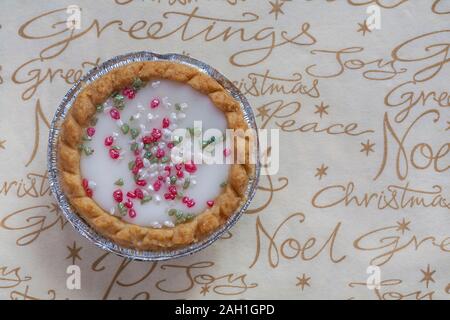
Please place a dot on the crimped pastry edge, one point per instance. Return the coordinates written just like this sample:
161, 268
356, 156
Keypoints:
127, 234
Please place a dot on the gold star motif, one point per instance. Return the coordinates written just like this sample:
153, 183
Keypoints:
54, 207
321, 109
427, 276
2, 144
403, 226
363, 27
74, 252
204, 290
276, 7
263, 112
322, 171
303, 281
367, 147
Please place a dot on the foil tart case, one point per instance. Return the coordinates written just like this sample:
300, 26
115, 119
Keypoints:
77, 222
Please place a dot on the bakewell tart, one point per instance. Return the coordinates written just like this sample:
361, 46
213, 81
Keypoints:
117, 161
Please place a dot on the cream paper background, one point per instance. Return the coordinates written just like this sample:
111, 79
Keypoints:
303, 238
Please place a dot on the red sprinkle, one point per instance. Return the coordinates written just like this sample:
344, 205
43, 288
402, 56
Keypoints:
109, 141
90, 131
226, 152
190, 203
170, 145
129, 204
139, 163
139, 194
131, 195
161, 178
155, 103
85, 183
210, 203
185, 199
135, 169
118, 195
173, 190
114, 154
190, 167
147, 139
178, 166
132, 213
89, 192
180, 174
115, 114
130, 93
157, 185
165, 123
141, 182
169, 196
160, 153
156, 134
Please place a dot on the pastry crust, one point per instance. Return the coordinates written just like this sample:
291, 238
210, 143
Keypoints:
127, 234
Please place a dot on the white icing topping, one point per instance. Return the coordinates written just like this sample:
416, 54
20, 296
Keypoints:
182, 105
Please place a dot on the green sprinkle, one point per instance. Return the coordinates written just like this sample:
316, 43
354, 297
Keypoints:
122, 209
180, 195
118, 101
137, 84
116, 148
99, 108
119, 182
148, 155
134, 133
86, 138
125, 128
154, 160
186, 184
94, 121
146, 199
80, 147
131, 165
134, 146
208, 142
164, 159
180, 217
173, 179
177, 140
88, 151
118, 98
177, 107
223, 184
131, 118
